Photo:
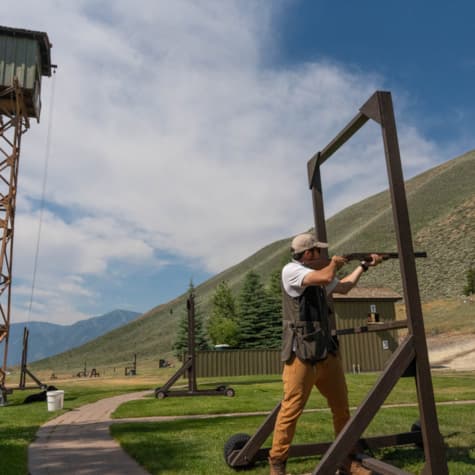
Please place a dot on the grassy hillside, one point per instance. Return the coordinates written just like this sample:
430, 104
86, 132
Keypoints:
442, 212
441, 205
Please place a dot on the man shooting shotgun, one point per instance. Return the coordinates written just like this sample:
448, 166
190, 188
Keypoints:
309, 350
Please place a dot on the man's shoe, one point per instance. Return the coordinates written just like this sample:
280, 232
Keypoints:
277, 467
357, 469
344, 468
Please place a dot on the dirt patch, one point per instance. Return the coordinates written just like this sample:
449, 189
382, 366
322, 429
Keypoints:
452, 352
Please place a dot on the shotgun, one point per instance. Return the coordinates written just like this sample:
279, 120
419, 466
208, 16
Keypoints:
366, 256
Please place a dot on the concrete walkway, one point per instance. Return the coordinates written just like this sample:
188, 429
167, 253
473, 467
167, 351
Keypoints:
79, 443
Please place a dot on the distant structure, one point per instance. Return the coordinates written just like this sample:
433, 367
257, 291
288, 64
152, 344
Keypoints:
373, 308
24, 58
189, 366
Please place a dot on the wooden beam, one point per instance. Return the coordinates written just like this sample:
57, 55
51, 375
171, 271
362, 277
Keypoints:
354, 428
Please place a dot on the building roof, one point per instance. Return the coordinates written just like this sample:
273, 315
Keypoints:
41, 38
368, 293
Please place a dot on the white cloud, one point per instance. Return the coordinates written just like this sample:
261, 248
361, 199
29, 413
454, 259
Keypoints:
170, 134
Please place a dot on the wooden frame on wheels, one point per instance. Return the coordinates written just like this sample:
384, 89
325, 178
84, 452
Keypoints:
411, 357
24, 371
412, 353
189, 366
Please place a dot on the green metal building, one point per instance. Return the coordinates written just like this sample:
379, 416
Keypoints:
360, 352
24, 56
364, 352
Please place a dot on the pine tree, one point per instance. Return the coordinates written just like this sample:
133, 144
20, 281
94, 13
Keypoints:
181, 339
274, 291
254, 312
223, 325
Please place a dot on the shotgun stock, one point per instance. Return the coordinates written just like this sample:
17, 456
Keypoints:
366, 256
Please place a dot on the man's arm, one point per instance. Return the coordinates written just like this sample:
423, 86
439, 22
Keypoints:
350, 281
325, 275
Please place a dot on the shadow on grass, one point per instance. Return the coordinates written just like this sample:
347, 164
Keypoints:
161, 453
413, 456
460, 454
14, 443
237, 383
195, 447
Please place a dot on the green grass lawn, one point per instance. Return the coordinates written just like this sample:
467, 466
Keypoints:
196, 446
262, 393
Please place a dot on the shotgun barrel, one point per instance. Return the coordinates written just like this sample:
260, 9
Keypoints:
366, 256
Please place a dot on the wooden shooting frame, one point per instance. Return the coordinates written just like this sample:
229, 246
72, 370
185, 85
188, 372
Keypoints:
189, 366
24, 366
410, 358
412, 352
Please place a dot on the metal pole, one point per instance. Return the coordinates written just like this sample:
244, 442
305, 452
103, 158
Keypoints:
191, 343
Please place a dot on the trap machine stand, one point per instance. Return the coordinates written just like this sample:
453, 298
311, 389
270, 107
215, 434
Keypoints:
24, 372
24, 366
409, 359
189, 367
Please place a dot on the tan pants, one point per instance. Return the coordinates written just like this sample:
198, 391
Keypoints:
299, 378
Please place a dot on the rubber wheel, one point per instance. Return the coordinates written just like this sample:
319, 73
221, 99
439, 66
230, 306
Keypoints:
236, 442
230, 392
416, 427
160, 394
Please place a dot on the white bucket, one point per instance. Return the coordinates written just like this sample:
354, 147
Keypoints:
55, 400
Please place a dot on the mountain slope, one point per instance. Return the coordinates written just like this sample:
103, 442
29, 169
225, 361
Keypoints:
47, 339
441, 203
441, 206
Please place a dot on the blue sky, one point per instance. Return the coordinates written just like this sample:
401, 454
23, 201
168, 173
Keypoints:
180, 133
423, 48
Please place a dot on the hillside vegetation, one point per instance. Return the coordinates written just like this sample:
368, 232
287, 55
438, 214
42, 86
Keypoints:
442, 211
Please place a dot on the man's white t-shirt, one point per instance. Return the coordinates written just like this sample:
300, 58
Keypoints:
293, 274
